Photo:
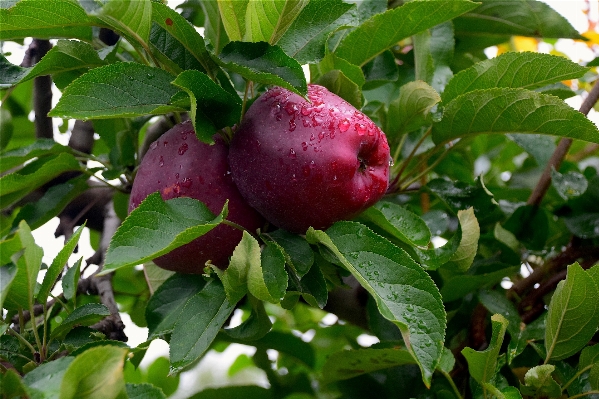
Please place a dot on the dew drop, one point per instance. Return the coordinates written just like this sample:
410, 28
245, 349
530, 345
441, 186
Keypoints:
343, 125
291, 108
183, 148
292, 125
150, 76
391, 162
176, 175
321, 136
306, 122
304, 146
186, 182
292, 153
359, 115
165, 143
306, 170
306, 111
332, 134
279, 117
312, 137
161, 161
360, 128
153, 145
177, 189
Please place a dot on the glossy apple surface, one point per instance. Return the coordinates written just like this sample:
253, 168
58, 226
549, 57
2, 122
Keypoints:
179, 165
308, 163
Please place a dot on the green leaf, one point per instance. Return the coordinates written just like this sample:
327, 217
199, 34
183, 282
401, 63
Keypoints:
45, 20
538, 382
95, 374
447, 362
255, 327
70, 280
144, 391
235, 392
155, 276
85, 315
156, 227
18, 184
45, 380
588, 357
122, 89
539, 146
164, 307
214, 28
131, 18
482, 364
348, 364
411, 109
403, 291
497, 303
381, 69
504, 110
383, 31
199, 322
331, 63
7, 275
399, 222
306, 37
456, 287
569, 185
573, 314
336, 82
517, 17
58, 265
266, 21
513, 70
233, 17
22, 289
594, 376
296, 249
463, 257
235, 278
11, 385
54, 200
267, 280
264, 63
312, 286
66, 55
585, 225
212, 108
177, 40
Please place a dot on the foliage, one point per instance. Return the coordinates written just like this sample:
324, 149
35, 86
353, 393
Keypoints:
446, 326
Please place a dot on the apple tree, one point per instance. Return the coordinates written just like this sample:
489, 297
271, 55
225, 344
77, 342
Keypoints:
474, 266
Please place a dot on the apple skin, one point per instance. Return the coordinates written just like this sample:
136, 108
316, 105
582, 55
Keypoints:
179, 165
308, 163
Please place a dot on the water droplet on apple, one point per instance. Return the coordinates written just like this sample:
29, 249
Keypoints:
332, 134
344, 125
312, 137
291, 108
161, 161
176, 175
306, 122
306, 170
306, 111
183, 148
391, 162
153, 145
279, 117
165, 143
335, 177
292, 153
321, 136
359, 115
360, 128
186, 182
292, 125
304, 146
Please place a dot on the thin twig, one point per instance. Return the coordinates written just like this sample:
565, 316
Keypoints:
560, 152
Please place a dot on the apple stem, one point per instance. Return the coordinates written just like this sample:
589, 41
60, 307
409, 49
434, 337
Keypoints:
234, 225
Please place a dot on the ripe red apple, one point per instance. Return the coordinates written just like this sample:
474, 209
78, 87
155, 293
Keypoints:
179, 165
308, 163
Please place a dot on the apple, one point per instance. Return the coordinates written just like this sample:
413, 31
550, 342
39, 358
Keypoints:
179, 165
309, 163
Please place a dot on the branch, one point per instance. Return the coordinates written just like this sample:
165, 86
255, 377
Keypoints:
82, 137
42, 89
560, 152
349, 304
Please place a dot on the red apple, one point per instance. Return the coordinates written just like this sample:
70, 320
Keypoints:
308, 163
179, 165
